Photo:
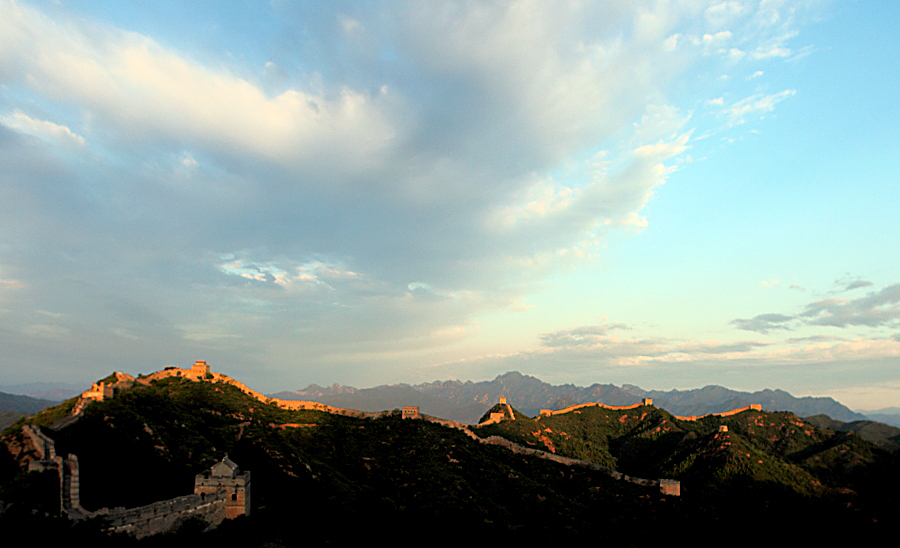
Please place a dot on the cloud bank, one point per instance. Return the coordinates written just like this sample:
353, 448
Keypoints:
429, 164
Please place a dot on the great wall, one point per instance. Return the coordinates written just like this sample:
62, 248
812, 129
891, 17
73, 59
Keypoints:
220, 492
224, 492
649, 401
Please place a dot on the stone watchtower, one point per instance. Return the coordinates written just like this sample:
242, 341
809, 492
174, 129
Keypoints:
226, 476
200, 368
409, 412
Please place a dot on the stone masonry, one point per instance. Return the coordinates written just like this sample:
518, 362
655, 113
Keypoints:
226, 476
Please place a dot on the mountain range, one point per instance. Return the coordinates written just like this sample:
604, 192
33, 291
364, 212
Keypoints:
329, 477
466, 401
332, 478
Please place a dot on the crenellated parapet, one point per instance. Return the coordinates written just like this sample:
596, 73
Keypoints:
549, 412
751, 407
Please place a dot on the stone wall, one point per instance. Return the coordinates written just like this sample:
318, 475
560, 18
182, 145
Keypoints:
142, 521
298, 405
666, 486
751, 407
546, 412
165, 515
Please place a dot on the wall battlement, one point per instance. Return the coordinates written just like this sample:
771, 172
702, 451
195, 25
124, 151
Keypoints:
549, 412
646, 401
751, 407
165, 515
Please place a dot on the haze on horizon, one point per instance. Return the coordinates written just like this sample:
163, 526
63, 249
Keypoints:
669, 194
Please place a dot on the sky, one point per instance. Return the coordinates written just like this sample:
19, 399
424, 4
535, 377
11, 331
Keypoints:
669, 194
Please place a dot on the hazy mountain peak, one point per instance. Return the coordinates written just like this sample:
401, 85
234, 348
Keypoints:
465, 401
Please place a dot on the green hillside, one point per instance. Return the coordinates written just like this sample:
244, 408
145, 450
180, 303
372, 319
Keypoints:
761, 455
332, 479
882, 435
147, 443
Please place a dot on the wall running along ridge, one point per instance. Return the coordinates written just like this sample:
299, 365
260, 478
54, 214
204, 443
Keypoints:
200, 371
751, 407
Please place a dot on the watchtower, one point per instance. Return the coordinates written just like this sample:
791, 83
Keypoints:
200, 368
409, 412
226, 476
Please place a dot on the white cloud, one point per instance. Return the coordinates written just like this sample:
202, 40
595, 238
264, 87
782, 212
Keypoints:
47, 331
659, 122
188, 161
713, 42
723, 13
10, 284
350, 25
774, 47
738, 112
413, 172
292, 276
663, 150
44, 129
671, 42
133, 84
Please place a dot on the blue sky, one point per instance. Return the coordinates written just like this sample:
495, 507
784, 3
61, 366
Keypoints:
668, 194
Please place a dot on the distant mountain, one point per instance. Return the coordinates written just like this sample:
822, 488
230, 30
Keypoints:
23, 404
883, 435
54, 391
466, 401
14, 406
888, 415
716, 399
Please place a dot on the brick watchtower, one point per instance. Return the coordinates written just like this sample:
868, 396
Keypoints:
226, 476
200, 368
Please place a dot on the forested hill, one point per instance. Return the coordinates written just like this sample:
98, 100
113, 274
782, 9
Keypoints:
758, 454
333, 479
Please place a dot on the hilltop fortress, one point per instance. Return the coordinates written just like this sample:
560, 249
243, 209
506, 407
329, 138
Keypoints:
199, 371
